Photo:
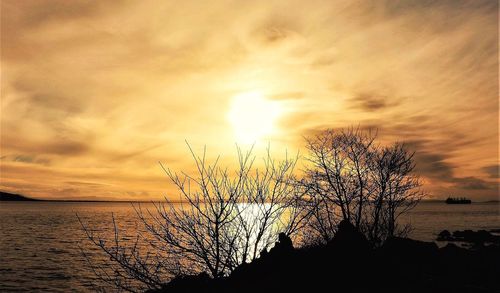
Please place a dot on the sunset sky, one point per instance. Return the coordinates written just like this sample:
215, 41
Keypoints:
95, 93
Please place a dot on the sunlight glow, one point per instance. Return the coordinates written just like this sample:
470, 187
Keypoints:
253, 117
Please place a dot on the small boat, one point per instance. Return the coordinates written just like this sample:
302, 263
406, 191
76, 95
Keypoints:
458, 200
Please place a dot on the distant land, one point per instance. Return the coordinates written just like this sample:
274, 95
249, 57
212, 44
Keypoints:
5, 196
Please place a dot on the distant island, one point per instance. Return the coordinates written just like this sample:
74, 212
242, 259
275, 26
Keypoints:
458, 200
5, 196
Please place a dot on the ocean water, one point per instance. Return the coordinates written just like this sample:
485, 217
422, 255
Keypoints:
41, 242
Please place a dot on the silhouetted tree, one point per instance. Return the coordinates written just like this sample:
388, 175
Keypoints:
221, 220
395, 190
351, 178
129, 266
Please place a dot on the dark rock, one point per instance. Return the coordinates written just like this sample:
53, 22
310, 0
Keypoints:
445, 235
186, 284
410, 250
452, 253
283, 245
477, 237
284, 242
348, 238
407, 244
349, 264
263, 253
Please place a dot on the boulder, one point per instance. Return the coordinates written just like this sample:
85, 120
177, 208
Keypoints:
480, 236
283, 245
405, 249
348, 238
445, 235
189, 283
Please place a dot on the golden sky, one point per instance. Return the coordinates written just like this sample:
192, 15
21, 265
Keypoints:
95, 93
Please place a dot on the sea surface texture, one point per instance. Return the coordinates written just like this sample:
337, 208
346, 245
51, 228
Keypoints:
41, 242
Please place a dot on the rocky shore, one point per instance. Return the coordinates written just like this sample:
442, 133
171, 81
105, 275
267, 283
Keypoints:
349, 264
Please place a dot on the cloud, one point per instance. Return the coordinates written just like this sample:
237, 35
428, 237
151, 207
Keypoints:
276, 29
23, 158
437, 167
288, 96
59, 147
434, 166
372, 102
473, 183
65, 148
493, 171
118, 86
56, 11
52, 102
86, 184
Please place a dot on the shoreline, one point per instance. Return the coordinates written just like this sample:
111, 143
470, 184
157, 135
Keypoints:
411, 265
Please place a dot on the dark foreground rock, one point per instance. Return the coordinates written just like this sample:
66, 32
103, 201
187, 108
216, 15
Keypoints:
469, 236
348, 264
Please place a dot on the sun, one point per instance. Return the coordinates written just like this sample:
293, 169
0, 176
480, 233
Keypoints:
253, 117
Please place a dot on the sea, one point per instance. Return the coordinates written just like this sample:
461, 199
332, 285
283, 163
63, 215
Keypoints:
41, 243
